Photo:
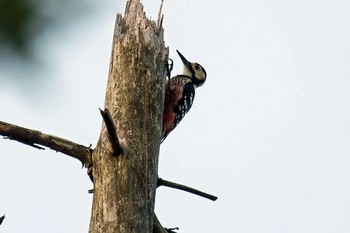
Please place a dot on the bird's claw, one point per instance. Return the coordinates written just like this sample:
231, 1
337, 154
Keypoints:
169, 64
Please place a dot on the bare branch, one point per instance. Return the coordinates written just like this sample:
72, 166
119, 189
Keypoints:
2, 219
172, 230
170, 184
112, 132
34, 138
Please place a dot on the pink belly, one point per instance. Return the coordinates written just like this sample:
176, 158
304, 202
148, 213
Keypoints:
168, 121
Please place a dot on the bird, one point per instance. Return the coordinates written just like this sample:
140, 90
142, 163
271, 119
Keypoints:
179, 94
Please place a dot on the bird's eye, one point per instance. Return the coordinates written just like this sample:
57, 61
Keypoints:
197, 67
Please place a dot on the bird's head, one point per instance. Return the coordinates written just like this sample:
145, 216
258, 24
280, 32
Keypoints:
193, 70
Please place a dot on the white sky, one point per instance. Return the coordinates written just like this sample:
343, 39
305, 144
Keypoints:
268, 132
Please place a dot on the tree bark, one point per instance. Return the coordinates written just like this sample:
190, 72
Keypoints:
35, 138
124, 185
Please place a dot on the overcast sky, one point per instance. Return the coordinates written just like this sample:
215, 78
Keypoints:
268, 132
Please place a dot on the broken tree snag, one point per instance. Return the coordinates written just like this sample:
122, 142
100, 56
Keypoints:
173, 185
35, 138
112, 132
124, 186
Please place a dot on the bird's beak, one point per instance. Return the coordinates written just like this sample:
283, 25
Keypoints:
184, 60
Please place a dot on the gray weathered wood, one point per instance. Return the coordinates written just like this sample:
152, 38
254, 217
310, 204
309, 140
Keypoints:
124, 186
35, 138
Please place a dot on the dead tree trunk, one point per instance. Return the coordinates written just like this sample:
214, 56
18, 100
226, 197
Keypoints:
124, 185
124, 163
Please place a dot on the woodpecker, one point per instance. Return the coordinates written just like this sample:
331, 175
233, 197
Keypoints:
179, 94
